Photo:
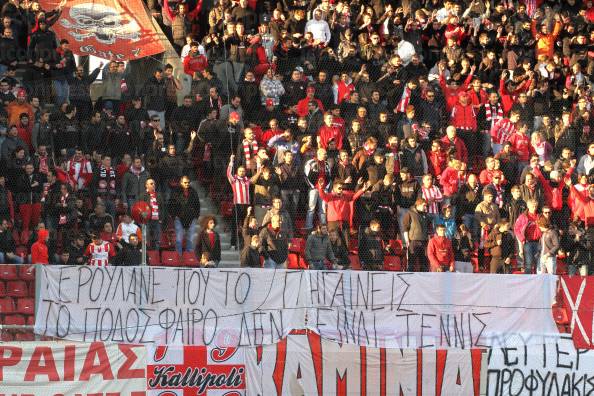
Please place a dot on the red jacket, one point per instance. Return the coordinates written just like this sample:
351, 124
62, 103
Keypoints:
508, 98
326, 133
553, 195
440, 252
583, 206
463, 117
195, 64
478, 98
521, 146
526, 228
458, 144
302, 106
339, 206
451, 95
449, 181
39, 254
437, 162
344, 91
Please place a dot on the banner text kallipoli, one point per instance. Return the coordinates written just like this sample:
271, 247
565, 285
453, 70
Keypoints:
250, 307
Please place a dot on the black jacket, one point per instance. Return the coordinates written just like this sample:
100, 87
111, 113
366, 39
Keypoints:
203, 246
154, 93
128, 256
250, 257
371, 251
25, 192
185, 208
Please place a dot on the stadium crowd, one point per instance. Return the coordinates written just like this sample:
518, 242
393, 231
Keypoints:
454, 130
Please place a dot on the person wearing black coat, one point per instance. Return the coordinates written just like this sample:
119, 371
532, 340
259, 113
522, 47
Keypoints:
208, 240
184, 207
249, 92
250, 255
43, 42
154, 93
29, 187
129, 254
371, 247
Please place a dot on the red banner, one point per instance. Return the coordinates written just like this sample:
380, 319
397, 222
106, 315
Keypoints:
578, 299
108, 29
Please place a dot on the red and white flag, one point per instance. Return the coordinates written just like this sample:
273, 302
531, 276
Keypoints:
109, 29
404, 100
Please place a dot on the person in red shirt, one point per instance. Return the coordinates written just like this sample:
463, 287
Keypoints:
99, 252
452, 140
452, 91
195, 62
528, 235
302, 105
338, 213
521, 145
437, 159
328, 132
440, 251
39, 252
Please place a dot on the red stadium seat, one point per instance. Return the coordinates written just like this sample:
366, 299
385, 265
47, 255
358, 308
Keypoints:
6, 305
16, 289
396, 246
14, 320
26, 306
297, 245
170, 259
6, 335
27, 272
392, 263
189, 259
8, 272
354, 259
2, 289
153, 257
30, 320
296, 261
24, 336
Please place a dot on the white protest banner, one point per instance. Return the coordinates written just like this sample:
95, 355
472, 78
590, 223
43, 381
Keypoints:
305, 364
552, 370
59, 368
224, 307
431, 310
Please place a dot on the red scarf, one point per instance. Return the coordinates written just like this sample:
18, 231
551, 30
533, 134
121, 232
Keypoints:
250, 149
368, 151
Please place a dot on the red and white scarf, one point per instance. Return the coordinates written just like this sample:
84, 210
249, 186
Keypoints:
154, 203
404, 101
250, 149
107, 180
493, 118
79, 172
502, 130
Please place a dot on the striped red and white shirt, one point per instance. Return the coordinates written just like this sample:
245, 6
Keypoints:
502, 130
99, 255
154, 203
240, 187
434, 196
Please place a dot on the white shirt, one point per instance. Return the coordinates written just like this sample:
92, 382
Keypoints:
406, 51
319, 29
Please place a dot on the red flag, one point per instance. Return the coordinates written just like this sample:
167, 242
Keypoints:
109, 29
404, 100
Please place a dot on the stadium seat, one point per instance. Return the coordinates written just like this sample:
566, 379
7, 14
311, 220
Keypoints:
24, 336
392, 263
189, 259
296, 261
297, 245
8, 272
396, 246
22, 251
30, 320
25, 235
354, 259
6, 335
25, 306
27, 273
14, 320
153, 257
170, 258
6, 305
16, 289
2, 289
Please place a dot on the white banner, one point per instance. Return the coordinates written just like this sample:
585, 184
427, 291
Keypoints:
52, 368
251, 307
432, 310
191, 306
305, 364
552, 370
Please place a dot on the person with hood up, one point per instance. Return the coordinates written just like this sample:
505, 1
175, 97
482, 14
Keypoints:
39, 251
440, 251
446, 219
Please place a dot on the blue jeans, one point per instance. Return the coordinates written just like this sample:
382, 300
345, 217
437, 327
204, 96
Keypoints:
189, 235
317, 265
62, 91
473, 226
290, 200
13, 259
153, 231
531, 253
270, 263
401, 212
313, 200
